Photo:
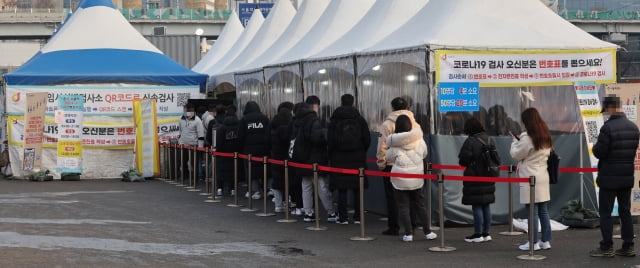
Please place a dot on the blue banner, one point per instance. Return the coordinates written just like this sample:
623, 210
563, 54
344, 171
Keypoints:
246, 9
459, 97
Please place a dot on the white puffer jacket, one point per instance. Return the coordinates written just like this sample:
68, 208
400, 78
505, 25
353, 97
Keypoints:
407, 151
531, 162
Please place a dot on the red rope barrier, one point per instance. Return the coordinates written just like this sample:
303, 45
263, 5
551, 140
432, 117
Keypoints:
452, 167
223, 154
400, 175
485, 179
256, 158
201, 149
578, 169
372, 160
298, 165
276, 162
243, 156
339, 170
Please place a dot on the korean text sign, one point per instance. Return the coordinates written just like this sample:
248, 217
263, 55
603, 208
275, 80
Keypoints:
459, 97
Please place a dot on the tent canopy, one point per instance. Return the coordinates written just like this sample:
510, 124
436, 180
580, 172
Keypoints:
476, 25
228, 37
98, 45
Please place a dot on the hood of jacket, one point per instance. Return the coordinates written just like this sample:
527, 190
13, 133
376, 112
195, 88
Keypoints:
281, 119
303, 111
405, 140
394, 115
230, 120
345, 112
251, 107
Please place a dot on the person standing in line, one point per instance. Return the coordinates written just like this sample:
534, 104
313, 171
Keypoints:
209, 115
348, 141
279, 130
407, 150
479, 195
531, 149
228, 141
255, 137
191, 134
616, 150
399, 107
309, 134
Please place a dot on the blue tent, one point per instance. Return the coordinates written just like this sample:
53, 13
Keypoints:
98, 45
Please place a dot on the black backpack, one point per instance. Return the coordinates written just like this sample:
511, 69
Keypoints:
299, 147
348, 135
490, 164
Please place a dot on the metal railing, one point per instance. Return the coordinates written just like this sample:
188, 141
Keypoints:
132, 14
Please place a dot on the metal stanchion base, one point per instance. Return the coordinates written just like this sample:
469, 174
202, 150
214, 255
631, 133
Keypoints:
318, 228
172, 182
266, 214
234, 205
435, 228
205, 194
362, 238
249, 209
531, 257
514, 233
179, 185
212, 201
442, 249
193, 190
287, 221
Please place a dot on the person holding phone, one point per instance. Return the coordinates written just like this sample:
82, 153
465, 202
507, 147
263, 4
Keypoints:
531, 149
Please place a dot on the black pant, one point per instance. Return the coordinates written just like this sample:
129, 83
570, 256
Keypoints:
407, 200
607, 198
342, 204
392, 207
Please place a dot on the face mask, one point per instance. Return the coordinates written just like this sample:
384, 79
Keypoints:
189, 114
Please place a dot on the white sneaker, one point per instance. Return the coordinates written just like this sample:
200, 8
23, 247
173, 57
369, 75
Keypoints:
407, 238
525, 246
233, 192
431, 236
219, 192
487, 238
246, 195
270, 192
544, 245
256, 195
279, 209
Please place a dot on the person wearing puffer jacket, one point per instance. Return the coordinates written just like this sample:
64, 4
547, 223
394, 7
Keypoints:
407, 151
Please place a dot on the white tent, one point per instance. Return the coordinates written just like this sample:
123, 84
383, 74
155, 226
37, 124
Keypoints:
227, 38
217, 71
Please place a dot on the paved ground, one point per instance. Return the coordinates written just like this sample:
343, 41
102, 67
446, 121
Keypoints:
108, 223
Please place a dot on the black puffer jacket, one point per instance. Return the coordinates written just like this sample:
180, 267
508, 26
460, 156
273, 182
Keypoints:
280, 142
616, 150
475, 193
254, 133
228, 141
351, 158
307, 120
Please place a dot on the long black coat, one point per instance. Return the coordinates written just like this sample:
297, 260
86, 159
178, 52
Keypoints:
475, 193
616, 149
347, 158
254, 133
228, 141
307, 120
280, 141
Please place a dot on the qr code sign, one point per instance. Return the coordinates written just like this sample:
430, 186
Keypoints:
636, 196
592, 131
182, 99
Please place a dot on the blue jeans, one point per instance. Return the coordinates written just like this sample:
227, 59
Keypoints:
541, 212
481, 219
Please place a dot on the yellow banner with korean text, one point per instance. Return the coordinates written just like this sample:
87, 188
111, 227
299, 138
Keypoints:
147, 148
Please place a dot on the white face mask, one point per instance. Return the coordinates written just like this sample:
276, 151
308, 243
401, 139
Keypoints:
189, 114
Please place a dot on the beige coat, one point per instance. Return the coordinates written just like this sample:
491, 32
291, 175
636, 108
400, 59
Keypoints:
531, 162
407, 151
387, 128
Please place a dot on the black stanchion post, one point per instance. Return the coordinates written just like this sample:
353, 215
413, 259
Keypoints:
264, 212
317, 227
429, 170
182, 166
235, 181
532, 201
250, 188
286, 195
207, 155
173, 165
362, 236
212, 198
511, 232
441, 247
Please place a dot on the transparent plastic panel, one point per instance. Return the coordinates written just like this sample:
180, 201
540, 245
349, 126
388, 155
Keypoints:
250, 87
329, 80
383, 77
283, 85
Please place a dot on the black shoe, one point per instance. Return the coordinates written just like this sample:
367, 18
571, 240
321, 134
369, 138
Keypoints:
390, 232
475, 238
343, 221
602, 253
627, 252
309, 218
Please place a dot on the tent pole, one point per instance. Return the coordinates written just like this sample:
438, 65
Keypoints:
304, 91
355, 77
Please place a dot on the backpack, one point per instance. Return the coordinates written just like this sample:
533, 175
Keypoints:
348, 135
553, 163
299, 147
490, 158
